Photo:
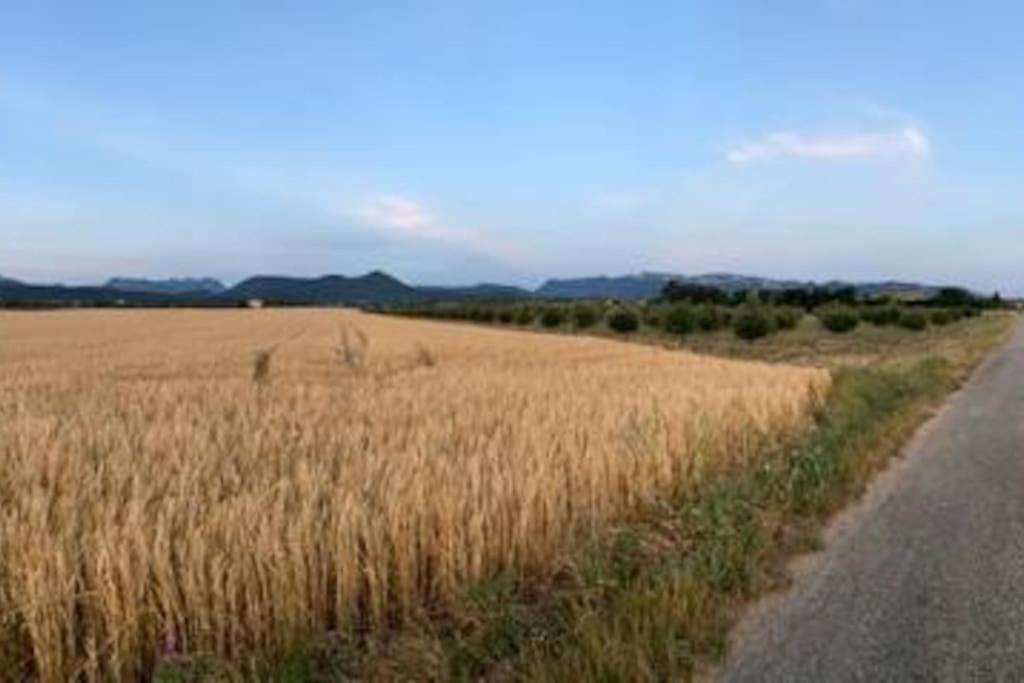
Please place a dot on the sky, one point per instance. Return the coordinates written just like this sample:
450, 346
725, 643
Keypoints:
458, 142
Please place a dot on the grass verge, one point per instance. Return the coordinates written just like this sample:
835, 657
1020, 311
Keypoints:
672, 583
654, 598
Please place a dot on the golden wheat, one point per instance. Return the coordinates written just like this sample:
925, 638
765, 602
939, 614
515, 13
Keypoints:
158, 498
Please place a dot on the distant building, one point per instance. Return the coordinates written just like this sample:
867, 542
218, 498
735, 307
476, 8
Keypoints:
254, 303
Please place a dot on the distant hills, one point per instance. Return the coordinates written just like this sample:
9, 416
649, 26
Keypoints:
376, 288
647, 285
188, 285
484, 290
14, 292
373, 288
642, 286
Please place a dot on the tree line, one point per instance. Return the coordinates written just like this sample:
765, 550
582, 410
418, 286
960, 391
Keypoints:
684, 309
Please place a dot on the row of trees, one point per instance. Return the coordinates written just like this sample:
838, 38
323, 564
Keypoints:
750, 320
810, 298
841, 319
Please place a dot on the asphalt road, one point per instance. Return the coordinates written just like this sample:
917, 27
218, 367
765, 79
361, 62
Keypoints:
924, 580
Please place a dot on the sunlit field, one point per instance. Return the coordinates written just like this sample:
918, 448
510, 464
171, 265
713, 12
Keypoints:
232, 482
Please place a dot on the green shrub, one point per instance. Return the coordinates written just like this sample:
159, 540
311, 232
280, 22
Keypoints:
787, 318
838, 319
584, 316
525, 315
953, 296
752, 322
880, 315
940, 317
552, 316
711, 318
481, 315
653, 315
913, 320
680, 320
506, 316
623, 320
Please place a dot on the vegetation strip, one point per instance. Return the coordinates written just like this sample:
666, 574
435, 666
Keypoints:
654, 598
274, 506
231, 482
684, 311
673, 582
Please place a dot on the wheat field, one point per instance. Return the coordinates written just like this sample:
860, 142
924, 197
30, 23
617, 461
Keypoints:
231, 482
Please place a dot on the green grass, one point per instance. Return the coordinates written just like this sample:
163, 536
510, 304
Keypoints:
694, 563
809, 343
654, 597
699, 559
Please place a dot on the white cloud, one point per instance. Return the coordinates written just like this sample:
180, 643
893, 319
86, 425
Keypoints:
398, 213
904, 144
409, 219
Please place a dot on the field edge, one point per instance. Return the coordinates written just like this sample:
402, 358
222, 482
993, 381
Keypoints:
655, 597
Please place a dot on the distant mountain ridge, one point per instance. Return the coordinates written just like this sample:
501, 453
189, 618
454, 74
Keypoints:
642, 286
186, 285
375, 287
379, 288
649, 285
484, 290
14, 292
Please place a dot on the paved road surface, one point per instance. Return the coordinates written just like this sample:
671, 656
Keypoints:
925, 580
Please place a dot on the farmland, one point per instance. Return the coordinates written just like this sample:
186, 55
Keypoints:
231, 483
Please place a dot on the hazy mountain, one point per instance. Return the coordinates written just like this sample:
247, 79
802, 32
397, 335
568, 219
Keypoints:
15, 292
187, 285
483, 291
642, 286
20, 293
888, 287
648, 285
377, 288
372, 288
730, 282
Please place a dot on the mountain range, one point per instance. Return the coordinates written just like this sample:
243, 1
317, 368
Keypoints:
188, 285
648, 285
378, 287
374, 288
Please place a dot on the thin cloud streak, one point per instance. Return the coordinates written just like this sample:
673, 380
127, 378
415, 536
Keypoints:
905, 144
408, 219
315, 191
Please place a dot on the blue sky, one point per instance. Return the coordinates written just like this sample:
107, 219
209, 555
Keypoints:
454, 142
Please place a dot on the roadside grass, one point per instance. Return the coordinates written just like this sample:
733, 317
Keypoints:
670, 585
653, 598
692, 565
811, 344
214, 484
